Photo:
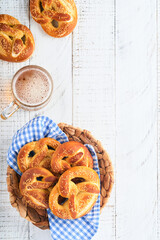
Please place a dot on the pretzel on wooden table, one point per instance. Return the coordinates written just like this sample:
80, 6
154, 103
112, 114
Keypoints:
37, 154
16, 40
80, 198
70, 154
58, 18
34, 186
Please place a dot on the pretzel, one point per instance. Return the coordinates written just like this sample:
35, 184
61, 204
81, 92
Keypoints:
58, 18
34, 185
16, 40
70, 154
37, 154
80, 198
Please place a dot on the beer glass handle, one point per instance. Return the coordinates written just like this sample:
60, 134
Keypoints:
9, 110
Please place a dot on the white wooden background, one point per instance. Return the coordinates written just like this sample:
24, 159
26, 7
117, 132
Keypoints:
106, 80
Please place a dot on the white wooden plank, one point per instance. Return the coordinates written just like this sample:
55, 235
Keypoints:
12, 226
158, 71
94, 85
136, 120
55, 55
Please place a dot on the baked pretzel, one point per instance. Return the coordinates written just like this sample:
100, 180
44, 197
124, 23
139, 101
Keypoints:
58, 18
16, 40
80, 198
70, 154
37, 154
34, 186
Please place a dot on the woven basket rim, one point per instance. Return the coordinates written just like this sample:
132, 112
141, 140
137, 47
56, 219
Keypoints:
39, 217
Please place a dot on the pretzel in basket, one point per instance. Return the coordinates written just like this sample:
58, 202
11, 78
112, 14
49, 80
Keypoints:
70, 154
80, 198
37, 154
16, 40
58, 18
34, 185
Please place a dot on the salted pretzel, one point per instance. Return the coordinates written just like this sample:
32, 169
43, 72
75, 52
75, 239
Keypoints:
37, 154
16, 40
70, 154
34, 186
80, 198
58, 18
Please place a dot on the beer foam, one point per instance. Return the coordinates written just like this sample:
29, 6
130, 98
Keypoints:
32, 87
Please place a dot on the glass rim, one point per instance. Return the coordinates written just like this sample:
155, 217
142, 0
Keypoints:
30, 67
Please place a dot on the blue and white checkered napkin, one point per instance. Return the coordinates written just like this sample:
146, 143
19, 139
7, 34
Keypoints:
83, 228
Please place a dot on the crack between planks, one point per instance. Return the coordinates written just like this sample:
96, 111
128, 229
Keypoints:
157, 59
115, 45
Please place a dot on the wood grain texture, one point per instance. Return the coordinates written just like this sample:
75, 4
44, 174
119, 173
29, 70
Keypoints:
136, 120
12, 227
94, 85
158, 77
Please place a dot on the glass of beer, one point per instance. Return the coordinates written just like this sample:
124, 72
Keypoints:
32, 87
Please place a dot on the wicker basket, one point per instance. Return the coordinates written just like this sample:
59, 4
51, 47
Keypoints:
39, 217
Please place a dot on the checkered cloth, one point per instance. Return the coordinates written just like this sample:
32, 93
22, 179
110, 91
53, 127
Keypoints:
83, 228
